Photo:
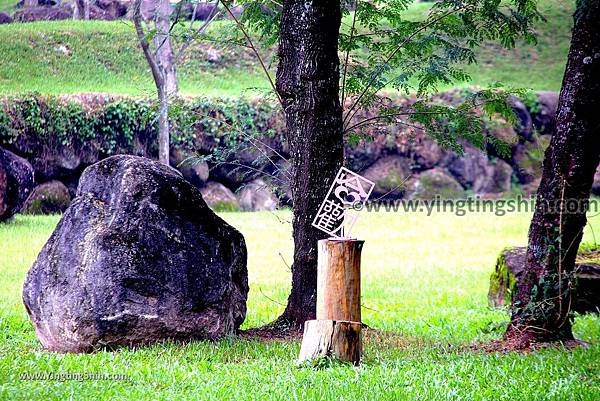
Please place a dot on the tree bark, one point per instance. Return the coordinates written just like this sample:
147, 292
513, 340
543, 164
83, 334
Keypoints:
162, 66
308, 84
163, 126
331, 338
81, 9
166, 65
162, 41
541, 307
86, 9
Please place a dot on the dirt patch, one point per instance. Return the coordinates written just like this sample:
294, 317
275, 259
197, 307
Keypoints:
524, 347
271, 333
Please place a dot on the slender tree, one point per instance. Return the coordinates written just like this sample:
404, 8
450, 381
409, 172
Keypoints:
541, 306
308, 85
160, 60
157, 45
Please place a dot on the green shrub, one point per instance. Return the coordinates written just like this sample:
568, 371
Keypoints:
118, 125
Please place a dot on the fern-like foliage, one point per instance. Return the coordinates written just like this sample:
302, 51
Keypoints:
385, 47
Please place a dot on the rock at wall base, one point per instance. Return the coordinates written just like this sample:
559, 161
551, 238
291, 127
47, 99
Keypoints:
509, 269
16, 183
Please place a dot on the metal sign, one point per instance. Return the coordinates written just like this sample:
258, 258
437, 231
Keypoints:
344, 201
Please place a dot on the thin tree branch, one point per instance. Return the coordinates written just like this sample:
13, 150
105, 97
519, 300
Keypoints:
343, 97
214, 14
254, 169
407, 113
154, 68
380, 117
256, 53
248, 136
392, 54
269, 298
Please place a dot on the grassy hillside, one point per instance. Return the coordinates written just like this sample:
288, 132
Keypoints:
98, 56
539, 67
73, 56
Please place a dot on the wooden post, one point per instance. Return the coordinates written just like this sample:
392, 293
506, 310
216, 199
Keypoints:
337, 330
338, 280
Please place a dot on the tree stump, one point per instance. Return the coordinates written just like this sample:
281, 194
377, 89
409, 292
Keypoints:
338, 280
337, 330
331, 338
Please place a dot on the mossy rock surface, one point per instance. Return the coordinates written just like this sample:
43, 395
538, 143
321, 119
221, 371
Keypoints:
389, 174
510, 267
436, 183
219, 198
503, 282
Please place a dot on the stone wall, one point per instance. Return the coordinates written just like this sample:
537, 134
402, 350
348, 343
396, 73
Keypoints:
242, 162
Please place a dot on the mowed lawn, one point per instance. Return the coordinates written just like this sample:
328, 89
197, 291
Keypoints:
425, 282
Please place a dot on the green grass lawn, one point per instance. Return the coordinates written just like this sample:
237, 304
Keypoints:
97, 56
425, 282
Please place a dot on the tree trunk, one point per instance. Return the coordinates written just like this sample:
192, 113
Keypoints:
166, 65
541, 307
161, 65
331, 338
162, 41
336, 332
81, 9
76, 9
163, 126
338, 279
308, 83
86, 9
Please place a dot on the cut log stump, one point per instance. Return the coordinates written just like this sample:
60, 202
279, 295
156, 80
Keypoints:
338, 279
336, 331
331, 338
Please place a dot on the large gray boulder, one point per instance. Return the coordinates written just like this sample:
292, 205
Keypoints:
114, 8
62, 163
137, 258
42, 13
219, 197
193, 168
16, 183
365, 153
200, 11
433, 184
544, 115
5, 18
524, 121
427, 153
